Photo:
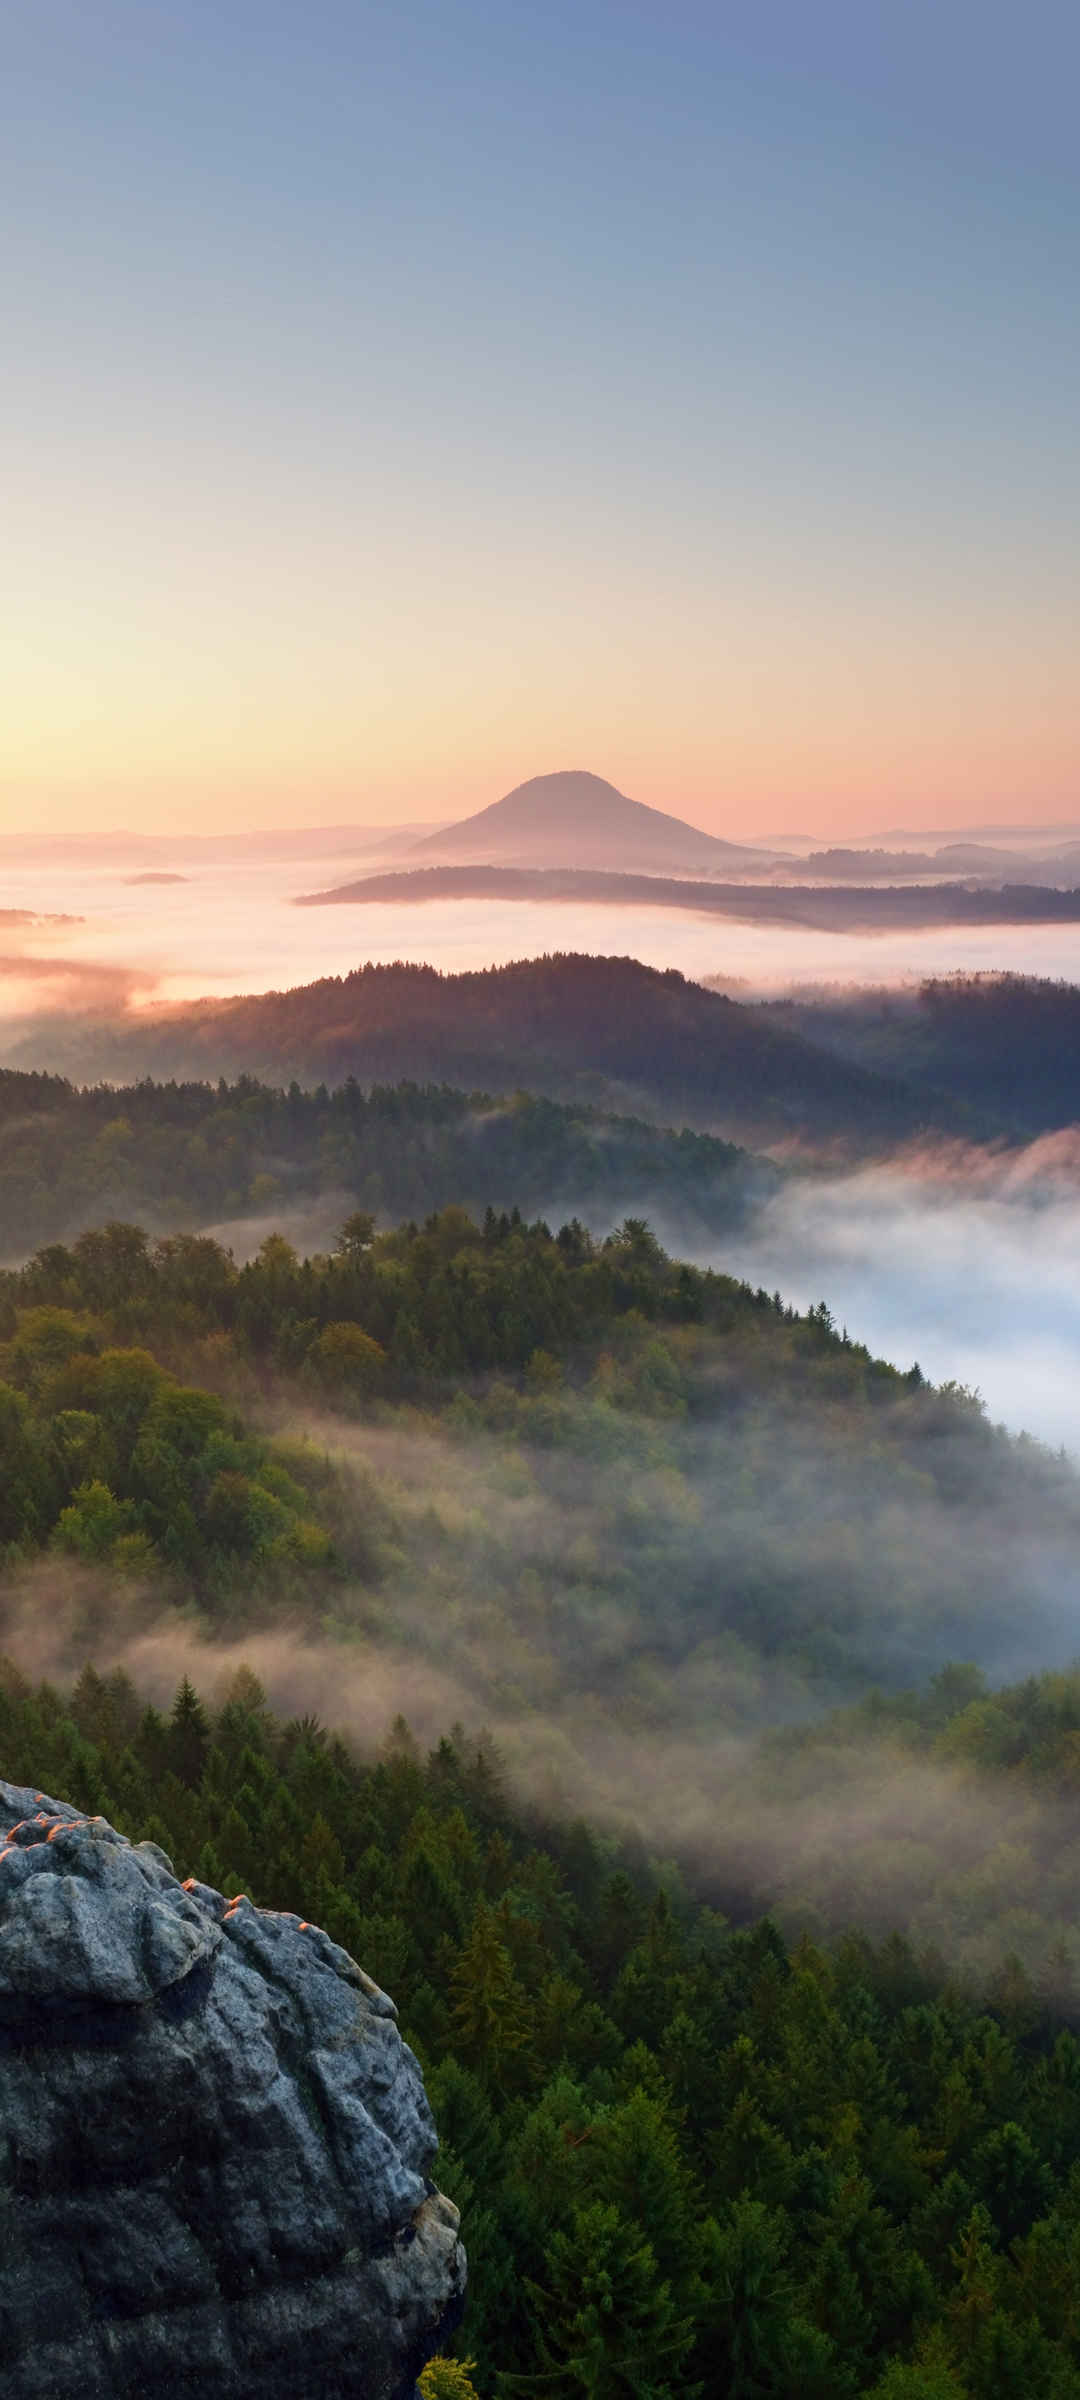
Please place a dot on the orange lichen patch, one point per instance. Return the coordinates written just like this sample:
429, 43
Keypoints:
43, 1818
188, 1884
303, 1926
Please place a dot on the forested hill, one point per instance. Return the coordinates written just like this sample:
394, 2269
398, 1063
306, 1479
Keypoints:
178, 1155
1010, 1044
848, 907
595, 1486
573, 1027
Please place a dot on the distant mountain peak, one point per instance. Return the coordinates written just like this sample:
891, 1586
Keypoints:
568, 788
576, 818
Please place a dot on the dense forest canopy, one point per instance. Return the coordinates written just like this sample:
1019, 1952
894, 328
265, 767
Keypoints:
175, 1155
691, 2157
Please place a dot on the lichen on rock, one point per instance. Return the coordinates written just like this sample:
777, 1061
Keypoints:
214, 2144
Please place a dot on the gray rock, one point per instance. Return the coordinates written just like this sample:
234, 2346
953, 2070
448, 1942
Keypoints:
214, 2144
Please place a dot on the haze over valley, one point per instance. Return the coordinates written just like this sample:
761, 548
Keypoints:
230, 925
892, 1202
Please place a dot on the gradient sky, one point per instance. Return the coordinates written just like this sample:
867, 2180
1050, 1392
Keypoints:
399, 401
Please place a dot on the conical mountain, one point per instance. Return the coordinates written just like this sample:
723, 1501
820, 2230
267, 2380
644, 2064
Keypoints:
574, 819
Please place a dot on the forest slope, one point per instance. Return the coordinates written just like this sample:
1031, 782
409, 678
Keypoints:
1009, 1044
591, 1488
181, 1155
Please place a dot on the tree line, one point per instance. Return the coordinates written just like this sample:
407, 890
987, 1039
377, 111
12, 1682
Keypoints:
178, 1155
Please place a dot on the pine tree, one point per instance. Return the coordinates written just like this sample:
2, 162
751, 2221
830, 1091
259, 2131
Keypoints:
634, 2165
189, 1736
607, 2325
756, 2341
491, 2017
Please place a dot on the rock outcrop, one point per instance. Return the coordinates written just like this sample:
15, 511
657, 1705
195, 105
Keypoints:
213, 2141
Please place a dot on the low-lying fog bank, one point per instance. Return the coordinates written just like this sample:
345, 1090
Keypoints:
232, 929
889, 1817
967, 1262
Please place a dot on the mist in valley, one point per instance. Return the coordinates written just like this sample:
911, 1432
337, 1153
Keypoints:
232, 928
966, 1261
656, 1617
657, 1629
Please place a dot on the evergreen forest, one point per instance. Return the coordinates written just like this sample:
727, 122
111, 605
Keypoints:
693, 2156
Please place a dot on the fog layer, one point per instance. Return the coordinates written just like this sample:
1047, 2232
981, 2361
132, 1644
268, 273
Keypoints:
233, 928
965, 1261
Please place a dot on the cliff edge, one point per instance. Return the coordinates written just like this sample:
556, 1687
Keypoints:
214, 2143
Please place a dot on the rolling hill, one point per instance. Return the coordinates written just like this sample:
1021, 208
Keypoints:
573, 1027
864, 907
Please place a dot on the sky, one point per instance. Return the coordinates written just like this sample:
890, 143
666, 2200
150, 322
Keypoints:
401, 401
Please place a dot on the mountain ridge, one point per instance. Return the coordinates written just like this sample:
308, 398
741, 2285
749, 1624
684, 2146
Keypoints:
637, 1039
